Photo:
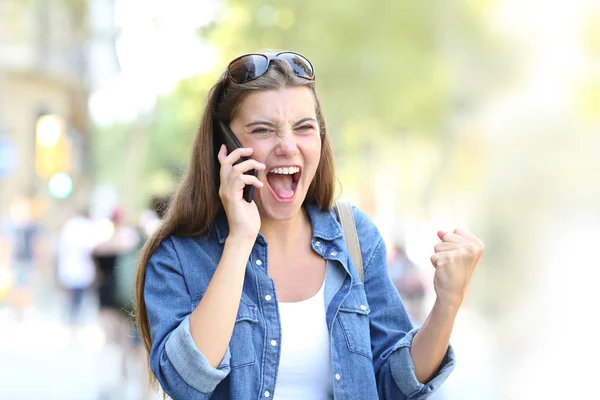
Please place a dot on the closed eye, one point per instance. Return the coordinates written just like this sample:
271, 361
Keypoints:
262, 130
305, 128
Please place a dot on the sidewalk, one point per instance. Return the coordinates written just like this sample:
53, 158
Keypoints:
44, 359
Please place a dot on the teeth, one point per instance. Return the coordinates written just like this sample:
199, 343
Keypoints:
285, 170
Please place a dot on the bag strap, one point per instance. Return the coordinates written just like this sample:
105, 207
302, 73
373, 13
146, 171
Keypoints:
343, 209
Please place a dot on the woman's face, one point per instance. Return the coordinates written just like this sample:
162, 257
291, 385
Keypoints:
281, 126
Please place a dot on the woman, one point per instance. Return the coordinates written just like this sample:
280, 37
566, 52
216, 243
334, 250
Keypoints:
260, 299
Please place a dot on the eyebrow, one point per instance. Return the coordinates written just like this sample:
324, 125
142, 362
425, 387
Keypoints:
303, 120
267, 123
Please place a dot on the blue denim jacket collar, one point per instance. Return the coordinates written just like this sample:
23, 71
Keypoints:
325, 228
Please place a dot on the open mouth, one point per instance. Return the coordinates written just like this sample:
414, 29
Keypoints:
283, 182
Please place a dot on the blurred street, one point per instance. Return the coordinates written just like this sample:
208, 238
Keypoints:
45, 359
42, 355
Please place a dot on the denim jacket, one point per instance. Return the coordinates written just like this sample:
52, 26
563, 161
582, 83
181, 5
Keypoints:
370, 332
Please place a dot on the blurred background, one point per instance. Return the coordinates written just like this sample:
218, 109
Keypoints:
475, 113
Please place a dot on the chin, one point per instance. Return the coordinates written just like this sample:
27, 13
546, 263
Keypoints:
276, 210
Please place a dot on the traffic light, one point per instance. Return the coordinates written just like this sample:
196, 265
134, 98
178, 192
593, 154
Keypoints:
52, 147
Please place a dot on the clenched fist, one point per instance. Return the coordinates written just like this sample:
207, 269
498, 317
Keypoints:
454, 260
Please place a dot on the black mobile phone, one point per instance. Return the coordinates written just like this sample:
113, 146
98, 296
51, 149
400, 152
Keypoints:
227, 137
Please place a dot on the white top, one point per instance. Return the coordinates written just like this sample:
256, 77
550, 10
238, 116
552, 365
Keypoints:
76, 241
305, 362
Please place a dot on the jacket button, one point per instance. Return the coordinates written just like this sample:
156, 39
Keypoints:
268, 297
273, 343
333, 253
258, 262
317, 243
363, 307
338, 377
267, 394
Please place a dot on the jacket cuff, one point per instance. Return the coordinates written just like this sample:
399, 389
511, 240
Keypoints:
403, 369
191, 364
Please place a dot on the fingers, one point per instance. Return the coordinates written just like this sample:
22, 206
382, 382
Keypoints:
237, 174
451, 237
234, 189
247, 165
438, 260
230, 159
248, 180
461, 236
453, 257
229, 170
445, 246
469, 236
222, 154
233, 176
460, 232
242, 151
239, 153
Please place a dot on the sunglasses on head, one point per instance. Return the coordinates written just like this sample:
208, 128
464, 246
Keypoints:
251, 66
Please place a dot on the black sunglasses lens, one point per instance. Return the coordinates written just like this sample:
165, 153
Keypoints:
301, 65
248, 67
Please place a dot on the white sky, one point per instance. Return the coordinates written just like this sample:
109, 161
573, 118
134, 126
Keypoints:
157, 45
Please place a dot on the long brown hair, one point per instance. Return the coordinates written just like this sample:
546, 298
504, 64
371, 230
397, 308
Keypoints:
196, 203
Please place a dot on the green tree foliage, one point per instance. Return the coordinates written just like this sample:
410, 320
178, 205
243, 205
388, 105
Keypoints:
377, 60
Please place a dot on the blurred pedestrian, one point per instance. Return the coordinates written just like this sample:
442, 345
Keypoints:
75, 267
106, 254
114, 321
410, 283
148, 222
247, 287
24, 242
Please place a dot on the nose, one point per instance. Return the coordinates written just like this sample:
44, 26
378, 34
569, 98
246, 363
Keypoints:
287, 145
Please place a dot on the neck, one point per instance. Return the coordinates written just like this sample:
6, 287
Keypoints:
286, 234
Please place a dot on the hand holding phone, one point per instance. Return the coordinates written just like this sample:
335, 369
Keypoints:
228, 138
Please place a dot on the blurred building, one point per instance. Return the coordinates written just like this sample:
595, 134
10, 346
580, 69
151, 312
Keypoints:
45, 48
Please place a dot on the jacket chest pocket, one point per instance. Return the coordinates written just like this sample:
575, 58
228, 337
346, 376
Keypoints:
242, 340
241, 345
353, 317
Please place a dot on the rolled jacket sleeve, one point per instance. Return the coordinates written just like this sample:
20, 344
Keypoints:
391, 330
181, 369
403, 370
190, 363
